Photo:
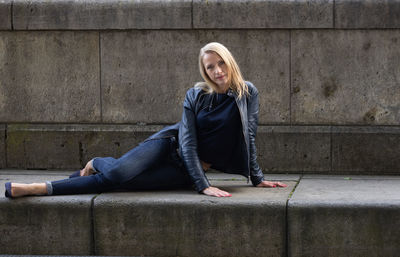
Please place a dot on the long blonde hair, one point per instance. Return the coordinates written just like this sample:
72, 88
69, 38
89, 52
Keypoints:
235, 79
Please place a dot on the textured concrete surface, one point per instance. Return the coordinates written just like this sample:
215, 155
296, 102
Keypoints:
367, 14
263, 14
345, 77
2, 146
293, 149
44, 225
103, 14
280, 149
215, 175
49, 77
149, 85
183, 14
344, 217
347, 177
367, 150
52, 146
184, 223
325, 216
5, 14
57, 146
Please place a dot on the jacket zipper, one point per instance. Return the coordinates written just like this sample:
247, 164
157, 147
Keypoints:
244, 136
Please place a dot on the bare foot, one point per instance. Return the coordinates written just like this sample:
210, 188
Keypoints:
18, 189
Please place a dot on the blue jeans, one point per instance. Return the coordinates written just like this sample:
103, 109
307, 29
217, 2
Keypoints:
152, 165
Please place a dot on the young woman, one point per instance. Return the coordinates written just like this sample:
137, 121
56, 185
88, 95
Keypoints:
218, 130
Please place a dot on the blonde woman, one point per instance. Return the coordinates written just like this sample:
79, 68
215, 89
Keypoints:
217, 130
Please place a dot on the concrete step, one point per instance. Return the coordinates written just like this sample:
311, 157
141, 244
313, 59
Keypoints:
281, 149
25, 255
314, 216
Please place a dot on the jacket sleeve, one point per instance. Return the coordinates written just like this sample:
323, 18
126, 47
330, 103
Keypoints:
188, 143
256, 174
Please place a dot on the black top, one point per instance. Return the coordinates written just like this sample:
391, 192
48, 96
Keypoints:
220, 133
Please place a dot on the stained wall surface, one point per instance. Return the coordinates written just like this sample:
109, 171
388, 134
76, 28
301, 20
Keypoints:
89, 64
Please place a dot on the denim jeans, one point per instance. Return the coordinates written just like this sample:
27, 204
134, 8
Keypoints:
152, 165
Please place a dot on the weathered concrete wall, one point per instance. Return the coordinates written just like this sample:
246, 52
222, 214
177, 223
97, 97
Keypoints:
304, 77
281, 149
5, 14
346, 77
2, 146
55, 146
321, 62
262, 14
103, 14
367, 14
368, 150
49, 77
141, 85
305, 149
187, 14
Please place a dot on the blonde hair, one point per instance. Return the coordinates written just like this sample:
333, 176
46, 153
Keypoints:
235, 79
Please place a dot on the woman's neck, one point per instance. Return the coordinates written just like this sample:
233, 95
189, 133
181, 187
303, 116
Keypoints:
222, 90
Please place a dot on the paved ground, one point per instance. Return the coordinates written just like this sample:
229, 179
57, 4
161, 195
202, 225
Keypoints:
316, 215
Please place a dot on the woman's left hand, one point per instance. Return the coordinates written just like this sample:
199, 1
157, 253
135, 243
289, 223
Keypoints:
271, 184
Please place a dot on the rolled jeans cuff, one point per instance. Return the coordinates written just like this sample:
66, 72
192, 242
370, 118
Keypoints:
49, 188
94, 169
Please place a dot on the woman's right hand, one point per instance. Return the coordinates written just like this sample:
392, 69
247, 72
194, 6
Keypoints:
214, 191
205, 165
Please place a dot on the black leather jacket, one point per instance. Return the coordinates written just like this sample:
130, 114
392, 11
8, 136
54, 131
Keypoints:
185, 130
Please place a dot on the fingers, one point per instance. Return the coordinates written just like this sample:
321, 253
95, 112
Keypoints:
213, 191
271, 184
279, 184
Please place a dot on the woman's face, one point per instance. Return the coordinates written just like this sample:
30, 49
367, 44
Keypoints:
216, 70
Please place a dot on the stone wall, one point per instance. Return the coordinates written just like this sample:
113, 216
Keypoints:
91, 78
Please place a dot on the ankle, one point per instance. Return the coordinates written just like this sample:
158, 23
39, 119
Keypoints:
38, 189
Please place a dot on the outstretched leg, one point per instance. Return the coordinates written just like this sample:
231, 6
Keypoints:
145, 156
112, 173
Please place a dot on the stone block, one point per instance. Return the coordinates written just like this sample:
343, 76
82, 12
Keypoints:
360, 14
51, 146
214, 175
5, 14
262, 14
52, 225
345, 77
294, 149
343, 217
2, 146
49, 77
102, 15
366, 150
145, 74
184, 223
113, 140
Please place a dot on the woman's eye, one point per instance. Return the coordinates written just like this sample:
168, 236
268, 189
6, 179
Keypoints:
209, 67
221, 63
